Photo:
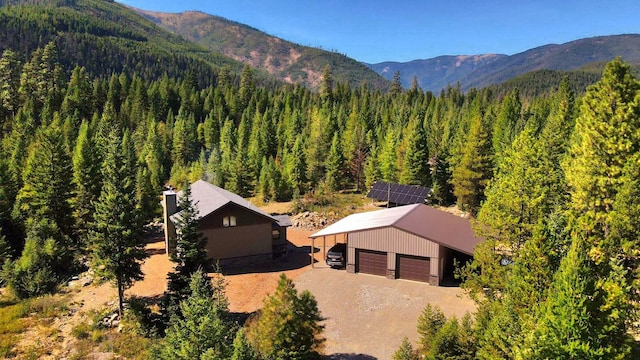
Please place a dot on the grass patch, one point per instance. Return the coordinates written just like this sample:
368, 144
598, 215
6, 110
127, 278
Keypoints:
81, 331
12, 323
48, 306
81, 350
15, 318
129, 346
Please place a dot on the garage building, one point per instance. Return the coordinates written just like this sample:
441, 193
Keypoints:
414, 242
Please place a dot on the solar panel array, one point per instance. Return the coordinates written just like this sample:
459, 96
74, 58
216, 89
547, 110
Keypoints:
398, 194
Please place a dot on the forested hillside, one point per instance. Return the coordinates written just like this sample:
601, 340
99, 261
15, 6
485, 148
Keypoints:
105, 38
287, 61
551, 180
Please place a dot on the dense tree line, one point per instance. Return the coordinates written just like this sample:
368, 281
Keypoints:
74, 146
276, 142
557, 274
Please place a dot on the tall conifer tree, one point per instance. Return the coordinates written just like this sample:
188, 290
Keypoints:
86, 178
116, 234
472, 173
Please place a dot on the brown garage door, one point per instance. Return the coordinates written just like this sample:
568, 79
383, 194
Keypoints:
413, 268
371, 262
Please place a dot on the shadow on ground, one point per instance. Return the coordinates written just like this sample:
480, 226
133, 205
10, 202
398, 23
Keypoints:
349, 357
297, 257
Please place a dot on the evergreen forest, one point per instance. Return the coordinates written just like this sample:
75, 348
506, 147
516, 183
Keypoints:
549, 178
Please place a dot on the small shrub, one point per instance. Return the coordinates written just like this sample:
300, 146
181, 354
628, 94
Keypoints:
48, 306
7, 342
97, 336
81, 331
139, 320
81, 350
128, 346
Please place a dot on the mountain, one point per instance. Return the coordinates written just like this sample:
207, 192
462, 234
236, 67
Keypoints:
483, 70
436, 73
106, 38
285, 60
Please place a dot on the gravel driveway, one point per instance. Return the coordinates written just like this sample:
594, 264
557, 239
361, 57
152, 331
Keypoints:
368, 316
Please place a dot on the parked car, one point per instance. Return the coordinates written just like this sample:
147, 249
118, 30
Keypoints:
337, 255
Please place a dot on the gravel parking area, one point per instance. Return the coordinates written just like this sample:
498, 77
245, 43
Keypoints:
366, 316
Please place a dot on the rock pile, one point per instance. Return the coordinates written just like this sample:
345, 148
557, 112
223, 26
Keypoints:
309, 220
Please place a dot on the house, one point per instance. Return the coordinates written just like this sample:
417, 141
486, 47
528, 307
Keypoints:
415, 242
237, 231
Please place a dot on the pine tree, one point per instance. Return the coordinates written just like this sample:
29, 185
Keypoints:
184, 140
9, 83
47, 180
295, 167
429, 323
507, 123
606, 140
566, 328
387, 157
115, 235
288, 326
43, 264
405, 351
320, 136
242, 350
442, 189
86, 178
190, 254
372, 168
396, 85
153, 156
355, 147
416, 159
202, 332
326, 86
79, 95
334, 175
247, 87
146, 195
473, 172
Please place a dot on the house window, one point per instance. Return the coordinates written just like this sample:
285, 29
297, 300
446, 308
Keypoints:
275, 234
229, 221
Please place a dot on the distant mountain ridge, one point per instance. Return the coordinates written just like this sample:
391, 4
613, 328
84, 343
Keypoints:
483, 70
436, 73
285, 60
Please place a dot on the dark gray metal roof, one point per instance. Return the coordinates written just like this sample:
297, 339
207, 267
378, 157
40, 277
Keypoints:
446, 229
283, 220
209, 198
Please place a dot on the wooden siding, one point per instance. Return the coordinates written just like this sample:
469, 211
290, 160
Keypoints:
251, 236
237, 241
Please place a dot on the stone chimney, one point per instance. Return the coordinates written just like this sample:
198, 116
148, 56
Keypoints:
170, 205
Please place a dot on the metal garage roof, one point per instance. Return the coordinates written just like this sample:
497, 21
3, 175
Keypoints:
452, 231
366, 221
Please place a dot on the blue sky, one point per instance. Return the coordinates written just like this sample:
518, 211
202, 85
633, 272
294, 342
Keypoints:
400, 30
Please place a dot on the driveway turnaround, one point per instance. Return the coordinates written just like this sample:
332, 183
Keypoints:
367, 316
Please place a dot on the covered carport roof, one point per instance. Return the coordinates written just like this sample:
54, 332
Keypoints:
446, 229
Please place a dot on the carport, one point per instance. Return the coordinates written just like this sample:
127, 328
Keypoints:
413, 242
